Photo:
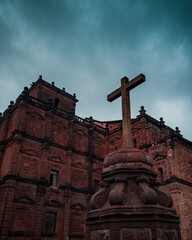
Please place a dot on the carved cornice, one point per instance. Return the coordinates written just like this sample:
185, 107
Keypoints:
175, 179
22, 179
48, 141
75, 189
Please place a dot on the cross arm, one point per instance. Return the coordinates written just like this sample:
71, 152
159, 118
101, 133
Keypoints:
136, 81
114, 95
129, 85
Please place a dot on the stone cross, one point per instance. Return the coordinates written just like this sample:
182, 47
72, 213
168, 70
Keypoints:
123, 91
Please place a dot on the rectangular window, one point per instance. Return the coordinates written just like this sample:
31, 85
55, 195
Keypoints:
50, 222
53, 177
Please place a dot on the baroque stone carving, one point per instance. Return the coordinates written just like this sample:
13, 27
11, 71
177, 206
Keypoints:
99, 198
130, 202
167, 234
100, 235
146, 193
164, 198
117, 195
135, 234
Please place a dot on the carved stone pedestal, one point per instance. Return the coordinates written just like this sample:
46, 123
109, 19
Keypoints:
130, 205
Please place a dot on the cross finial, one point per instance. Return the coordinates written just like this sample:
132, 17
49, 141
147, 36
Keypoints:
123, 91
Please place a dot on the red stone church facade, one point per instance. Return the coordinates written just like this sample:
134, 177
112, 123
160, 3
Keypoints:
51, 160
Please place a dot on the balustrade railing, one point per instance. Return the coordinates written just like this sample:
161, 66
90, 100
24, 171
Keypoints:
65, 113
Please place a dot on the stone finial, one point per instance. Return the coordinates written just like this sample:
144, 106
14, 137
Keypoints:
142, 111
74, 95
53, 84
26, 89
63, 89
177, 130
161, 121
40, 77
11, 104
91, 120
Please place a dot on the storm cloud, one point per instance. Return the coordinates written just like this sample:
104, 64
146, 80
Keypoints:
87, 46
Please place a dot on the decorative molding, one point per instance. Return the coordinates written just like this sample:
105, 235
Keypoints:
24, 199
36, 115
30, 151
22, 179
56, 159
80, 132
53, 203
79, 164
77, 206
60, 124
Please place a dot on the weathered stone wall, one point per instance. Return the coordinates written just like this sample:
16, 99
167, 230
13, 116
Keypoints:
32, 145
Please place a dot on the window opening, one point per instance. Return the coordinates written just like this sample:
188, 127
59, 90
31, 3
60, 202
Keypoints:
57, 100
53, 177
50, 222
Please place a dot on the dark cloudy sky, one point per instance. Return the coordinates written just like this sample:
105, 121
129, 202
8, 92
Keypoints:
87, 46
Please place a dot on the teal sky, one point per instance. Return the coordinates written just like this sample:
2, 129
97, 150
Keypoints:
87, 46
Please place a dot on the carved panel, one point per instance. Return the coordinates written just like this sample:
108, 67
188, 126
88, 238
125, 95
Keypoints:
167, 234
100, 234
135, 234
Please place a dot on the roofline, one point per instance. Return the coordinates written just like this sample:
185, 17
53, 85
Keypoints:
54, 88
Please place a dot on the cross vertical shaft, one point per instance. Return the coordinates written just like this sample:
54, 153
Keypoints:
126, 114
123, 91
